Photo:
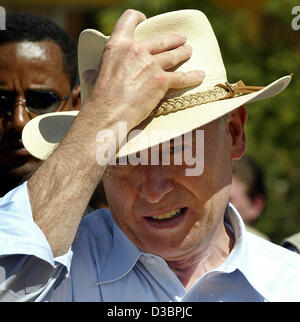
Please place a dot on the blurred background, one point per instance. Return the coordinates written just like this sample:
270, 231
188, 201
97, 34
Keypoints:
258, 45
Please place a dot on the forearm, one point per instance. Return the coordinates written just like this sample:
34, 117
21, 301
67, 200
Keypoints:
59, 199
61, 188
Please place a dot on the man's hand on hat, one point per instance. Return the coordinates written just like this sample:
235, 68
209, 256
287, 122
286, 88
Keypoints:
133, 75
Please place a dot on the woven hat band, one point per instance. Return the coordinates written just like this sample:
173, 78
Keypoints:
219, 92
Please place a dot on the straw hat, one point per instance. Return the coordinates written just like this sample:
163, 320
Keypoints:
180, 111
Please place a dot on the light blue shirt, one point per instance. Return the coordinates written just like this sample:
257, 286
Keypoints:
104, 265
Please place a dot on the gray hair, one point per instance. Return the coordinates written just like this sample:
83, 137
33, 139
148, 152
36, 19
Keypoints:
223, 120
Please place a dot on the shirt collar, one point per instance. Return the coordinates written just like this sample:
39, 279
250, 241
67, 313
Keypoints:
239, 257
122, 259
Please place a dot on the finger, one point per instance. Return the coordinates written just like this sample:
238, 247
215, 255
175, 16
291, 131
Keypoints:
164, 43
179, 80
172, 58
125, 26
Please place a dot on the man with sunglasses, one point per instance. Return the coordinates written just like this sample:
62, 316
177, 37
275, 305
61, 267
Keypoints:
37, 75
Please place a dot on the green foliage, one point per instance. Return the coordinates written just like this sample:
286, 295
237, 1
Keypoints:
257, 47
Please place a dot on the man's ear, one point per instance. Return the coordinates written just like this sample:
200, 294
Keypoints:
237, 131
76, 100
257, 207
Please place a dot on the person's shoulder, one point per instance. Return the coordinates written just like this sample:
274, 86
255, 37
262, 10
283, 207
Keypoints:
273, 251
275, 270
255, 231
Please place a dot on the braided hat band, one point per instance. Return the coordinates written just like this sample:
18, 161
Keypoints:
219, 92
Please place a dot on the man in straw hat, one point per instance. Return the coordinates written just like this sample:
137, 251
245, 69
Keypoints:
170, 234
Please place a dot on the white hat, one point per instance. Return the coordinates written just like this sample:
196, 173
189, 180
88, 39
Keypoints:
180, 111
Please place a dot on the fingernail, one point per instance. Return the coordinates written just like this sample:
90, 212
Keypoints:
182, 37
202, 73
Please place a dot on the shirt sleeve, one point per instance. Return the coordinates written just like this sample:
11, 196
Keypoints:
18, 232
27, 265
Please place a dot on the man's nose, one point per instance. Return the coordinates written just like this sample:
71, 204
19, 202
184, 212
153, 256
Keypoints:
154, 185
19, 116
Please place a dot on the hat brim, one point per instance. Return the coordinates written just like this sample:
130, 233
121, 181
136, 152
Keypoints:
43, 133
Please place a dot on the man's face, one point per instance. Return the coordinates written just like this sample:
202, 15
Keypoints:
24, 66
195, 204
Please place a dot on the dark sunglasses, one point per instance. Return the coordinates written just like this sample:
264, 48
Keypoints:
36, 101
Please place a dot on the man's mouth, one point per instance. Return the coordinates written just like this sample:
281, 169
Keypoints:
169, 215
